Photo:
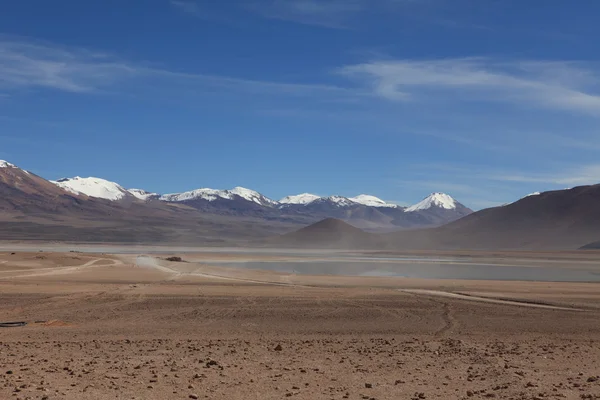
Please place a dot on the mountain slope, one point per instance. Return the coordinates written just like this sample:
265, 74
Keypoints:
563, 219
24, 193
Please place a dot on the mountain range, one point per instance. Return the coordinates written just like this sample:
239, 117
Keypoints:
93, 209
366, 211
557, 220
96, 210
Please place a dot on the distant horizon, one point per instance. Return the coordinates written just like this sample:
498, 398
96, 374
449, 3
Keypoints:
485, 101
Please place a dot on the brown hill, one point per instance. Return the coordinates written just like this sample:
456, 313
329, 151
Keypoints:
564, 219
329, 233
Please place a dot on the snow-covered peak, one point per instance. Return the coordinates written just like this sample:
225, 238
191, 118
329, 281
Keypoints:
143, 194
214, 194
252, 195
6, 164
533, 194
439, 200
371, 201
203, 194
93, 187
303, 199
339, 200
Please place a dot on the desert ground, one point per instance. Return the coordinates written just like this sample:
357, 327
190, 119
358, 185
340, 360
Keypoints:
107, 323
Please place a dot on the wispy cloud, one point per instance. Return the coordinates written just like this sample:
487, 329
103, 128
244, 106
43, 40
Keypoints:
566, 86
32, 65
326, 13
560, 85
29, 64
573, 176
480, 182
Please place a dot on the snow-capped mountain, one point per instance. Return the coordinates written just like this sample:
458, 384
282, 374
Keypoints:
437, 208
303, 198
371, 201
339, 201
214, 194
143, 194
363, 199
93, 187
23, 194
253, 196
6, 164
434, 200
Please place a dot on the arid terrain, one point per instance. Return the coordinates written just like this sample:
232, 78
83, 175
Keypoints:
135, 326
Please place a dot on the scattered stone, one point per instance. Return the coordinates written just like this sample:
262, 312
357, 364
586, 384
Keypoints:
278, 348
193, 396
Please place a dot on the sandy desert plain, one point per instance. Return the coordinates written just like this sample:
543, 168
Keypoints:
124, 323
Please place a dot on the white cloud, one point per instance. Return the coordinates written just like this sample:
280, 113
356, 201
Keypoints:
41, 65
559, 85
25, 64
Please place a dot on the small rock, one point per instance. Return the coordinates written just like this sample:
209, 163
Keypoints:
368, 385
193, 396
278, 348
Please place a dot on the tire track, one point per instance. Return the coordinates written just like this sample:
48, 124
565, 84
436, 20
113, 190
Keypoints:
458, 296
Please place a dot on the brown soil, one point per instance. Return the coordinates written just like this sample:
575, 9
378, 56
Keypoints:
101, 327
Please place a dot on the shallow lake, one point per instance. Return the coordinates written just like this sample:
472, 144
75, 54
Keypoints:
426, 269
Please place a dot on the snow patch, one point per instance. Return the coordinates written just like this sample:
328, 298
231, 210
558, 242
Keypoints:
439, 200
93, 187
371, 201
303, 199
6, 164
142, 194
252, 195
203, 194
339, 200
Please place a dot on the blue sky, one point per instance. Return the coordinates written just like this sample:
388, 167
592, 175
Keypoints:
487, 100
